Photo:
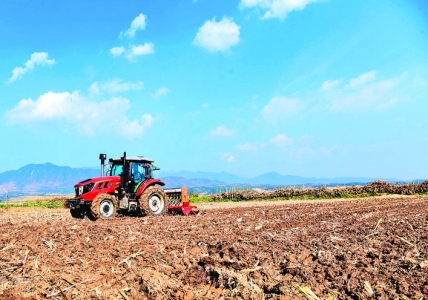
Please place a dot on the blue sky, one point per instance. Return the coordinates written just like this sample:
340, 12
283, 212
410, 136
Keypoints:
302, 87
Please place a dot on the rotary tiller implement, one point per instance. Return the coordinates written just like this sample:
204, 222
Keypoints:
178, 200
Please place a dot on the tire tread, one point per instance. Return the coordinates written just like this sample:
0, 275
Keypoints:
95, 206
143, 201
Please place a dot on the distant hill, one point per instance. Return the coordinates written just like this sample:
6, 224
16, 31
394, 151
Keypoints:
45, 177
49, 178
173, 181
222, 177
271, 178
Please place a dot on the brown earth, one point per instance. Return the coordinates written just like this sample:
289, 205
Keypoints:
375, 248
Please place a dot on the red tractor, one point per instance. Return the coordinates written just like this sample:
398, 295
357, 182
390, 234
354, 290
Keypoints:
129, 187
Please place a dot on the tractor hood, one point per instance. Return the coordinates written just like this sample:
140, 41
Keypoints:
88, 189
98, 179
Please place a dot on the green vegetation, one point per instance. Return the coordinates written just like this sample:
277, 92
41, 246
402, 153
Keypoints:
195, 199
40, 204
43, 202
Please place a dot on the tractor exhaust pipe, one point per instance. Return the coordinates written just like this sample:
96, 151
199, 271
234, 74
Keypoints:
124, 173
103, 158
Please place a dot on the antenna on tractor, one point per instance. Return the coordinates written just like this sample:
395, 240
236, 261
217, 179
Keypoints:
103, 158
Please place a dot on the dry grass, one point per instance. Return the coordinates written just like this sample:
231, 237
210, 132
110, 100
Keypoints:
372, 189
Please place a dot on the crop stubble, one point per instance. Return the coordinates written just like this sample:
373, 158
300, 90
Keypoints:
368, 248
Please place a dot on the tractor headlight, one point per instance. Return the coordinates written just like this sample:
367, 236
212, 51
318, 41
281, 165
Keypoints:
83, 189
77, 191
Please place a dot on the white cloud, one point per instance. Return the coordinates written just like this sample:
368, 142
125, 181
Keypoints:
281, 140
364, 92
301, 152
276, 8
114, 86
73, 110
139, 23
17, 73
329, 85
360, 93
327, 151
94, 89
147, 48
193, 114
136, 127
37, 58
117, 51
362, 79
217, 36
279, 108
117, 86
306, 137
221, 131
388, 104
160, 92
134, 51
226, 156
250, 147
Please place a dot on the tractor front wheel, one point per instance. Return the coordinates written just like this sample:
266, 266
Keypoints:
153, 201
104, 206
78, 213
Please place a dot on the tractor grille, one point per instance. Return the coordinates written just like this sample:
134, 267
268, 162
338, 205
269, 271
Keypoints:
79, 190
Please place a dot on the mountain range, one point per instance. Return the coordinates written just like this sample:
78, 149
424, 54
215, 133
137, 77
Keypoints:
272, 178
45, 177
49, 178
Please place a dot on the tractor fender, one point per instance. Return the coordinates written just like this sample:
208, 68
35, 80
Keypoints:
146, 184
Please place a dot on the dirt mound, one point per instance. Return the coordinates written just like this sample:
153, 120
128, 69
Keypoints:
360, 249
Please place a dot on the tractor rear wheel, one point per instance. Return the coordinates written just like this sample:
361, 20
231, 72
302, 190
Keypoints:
104, 206
153, 201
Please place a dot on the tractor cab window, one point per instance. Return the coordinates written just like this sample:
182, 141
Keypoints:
116, 170
138, 171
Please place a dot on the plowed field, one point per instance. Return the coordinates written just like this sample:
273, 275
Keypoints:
373, 248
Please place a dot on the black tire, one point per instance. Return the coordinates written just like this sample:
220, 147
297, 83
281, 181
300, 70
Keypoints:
77, 213
153, 202
104, 206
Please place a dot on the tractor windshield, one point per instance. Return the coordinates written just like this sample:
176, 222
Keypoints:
138, 172
116, 170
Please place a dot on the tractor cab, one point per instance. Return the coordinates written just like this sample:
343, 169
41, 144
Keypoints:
133, 170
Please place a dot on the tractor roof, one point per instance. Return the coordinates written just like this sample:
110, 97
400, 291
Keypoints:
140, 159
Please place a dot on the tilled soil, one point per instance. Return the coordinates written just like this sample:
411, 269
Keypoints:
369, 248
